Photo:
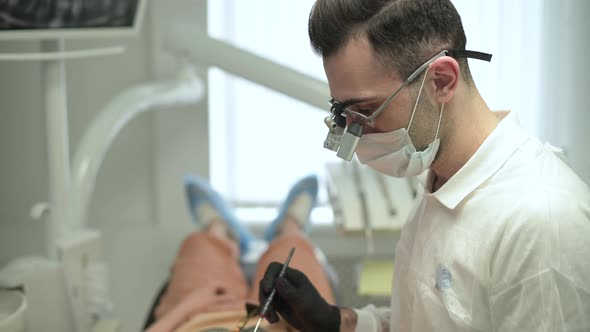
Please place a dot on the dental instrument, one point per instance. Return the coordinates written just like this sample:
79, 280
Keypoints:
272, 294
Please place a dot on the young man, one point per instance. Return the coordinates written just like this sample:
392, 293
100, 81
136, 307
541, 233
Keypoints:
498, 241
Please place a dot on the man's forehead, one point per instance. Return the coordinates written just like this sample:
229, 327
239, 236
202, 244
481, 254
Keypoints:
356, 56
354, 72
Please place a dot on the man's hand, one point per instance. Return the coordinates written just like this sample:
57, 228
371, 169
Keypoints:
297, 301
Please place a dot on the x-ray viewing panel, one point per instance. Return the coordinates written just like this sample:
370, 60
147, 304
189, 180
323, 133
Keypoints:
50, 19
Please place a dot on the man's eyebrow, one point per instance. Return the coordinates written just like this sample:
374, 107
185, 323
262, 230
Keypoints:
353, 101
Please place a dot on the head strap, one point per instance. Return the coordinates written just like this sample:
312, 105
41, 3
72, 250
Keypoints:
469, 54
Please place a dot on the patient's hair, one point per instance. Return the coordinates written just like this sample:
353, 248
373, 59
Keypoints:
403, 33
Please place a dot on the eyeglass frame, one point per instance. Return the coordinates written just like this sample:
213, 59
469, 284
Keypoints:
370, 120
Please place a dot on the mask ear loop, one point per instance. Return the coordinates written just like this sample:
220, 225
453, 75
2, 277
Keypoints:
417, 99
442, 108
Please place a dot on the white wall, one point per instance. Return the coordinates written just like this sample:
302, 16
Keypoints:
22, 154
566, 80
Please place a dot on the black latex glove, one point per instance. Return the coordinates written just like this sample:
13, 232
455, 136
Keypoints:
297, 301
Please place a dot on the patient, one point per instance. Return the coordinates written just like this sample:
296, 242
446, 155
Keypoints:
208, 289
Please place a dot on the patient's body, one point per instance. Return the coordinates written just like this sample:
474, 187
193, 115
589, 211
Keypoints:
208, 289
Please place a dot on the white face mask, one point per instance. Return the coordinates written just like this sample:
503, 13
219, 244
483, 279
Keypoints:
394, 154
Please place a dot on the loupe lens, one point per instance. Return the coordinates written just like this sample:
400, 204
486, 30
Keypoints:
349, 141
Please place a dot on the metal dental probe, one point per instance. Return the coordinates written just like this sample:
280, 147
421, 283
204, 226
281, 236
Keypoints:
274, 290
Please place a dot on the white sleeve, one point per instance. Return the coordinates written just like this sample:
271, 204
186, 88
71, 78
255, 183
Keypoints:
548, 302
540, 273
372, 319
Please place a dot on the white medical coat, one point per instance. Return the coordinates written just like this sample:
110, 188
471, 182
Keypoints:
504, 245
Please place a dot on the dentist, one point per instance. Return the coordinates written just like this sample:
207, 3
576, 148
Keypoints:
498, 240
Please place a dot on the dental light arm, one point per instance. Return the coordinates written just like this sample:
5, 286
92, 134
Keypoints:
195, 43
187, 89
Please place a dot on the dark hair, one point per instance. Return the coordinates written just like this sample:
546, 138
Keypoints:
403, 33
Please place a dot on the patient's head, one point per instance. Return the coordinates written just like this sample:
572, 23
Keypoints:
221, 329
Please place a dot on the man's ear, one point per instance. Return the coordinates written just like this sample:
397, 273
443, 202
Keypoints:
445, 79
